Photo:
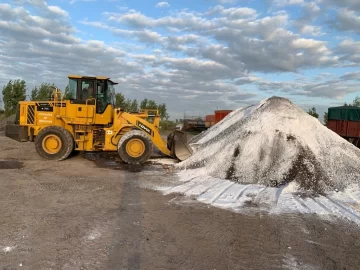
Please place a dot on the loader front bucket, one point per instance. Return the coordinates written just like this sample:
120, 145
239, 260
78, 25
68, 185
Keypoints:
178, 146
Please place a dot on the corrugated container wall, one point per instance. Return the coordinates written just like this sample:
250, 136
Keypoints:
345, 128
220, 115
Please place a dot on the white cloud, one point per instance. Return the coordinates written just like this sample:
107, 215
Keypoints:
351, 76
227, 1
335, 88
311, 30
43, 6
181, 20
204, 59
311, 7
57, 10
144, 35
349, 4
309, 13
163, 5
349, 51
74, 1
314, 45
347, 20
282, 3
249, 43
349, 46
233, 13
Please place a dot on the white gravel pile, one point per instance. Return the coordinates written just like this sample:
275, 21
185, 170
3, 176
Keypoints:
274, 143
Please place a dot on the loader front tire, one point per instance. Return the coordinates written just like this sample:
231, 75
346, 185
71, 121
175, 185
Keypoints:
54, 143
135, 147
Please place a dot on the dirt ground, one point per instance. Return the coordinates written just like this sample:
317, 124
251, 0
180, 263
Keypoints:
79, 214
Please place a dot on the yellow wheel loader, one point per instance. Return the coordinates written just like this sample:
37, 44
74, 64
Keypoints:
86, 119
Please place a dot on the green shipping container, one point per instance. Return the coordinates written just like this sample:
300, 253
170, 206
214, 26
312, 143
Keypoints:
344, 113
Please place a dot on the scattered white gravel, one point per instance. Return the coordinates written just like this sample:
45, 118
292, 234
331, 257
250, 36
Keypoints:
272, 157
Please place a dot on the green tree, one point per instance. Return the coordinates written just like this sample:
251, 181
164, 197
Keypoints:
325, 118
144, 104
127, 104
356, 102
152, 104
163, 112
134, 106
13, 92
44, 92
148, 104
313, 112
120, 101
34, 93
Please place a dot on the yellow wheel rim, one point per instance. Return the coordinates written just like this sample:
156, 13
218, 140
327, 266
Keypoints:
135, 148
51, 144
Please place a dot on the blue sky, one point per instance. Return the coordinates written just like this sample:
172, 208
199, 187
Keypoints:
194, 55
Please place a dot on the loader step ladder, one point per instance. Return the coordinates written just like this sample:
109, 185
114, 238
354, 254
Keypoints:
78, 134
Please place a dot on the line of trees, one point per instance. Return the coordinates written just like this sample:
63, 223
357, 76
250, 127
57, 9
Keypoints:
355, 103
133, 105
15, 91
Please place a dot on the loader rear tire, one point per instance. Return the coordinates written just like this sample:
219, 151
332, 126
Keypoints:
135, 147
54, 143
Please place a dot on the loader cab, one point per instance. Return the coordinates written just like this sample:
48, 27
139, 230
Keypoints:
91, 90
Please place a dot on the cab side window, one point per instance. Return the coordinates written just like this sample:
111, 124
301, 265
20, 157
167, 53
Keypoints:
101, 103
87, 89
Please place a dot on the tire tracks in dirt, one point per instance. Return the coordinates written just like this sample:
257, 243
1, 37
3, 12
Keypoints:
127, 238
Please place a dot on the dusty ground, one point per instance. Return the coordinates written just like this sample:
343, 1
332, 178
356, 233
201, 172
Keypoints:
75, 215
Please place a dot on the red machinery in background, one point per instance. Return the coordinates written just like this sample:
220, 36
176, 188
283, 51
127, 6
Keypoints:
212, 119
220, 115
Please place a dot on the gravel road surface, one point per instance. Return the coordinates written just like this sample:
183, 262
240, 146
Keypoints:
79, 214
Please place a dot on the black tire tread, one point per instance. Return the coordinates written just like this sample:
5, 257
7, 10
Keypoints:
125, 157
65, 136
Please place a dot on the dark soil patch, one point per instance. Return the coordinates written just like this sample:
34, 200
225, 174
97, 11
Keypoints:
230, 174
112, 161
236, 152
250, 204
10, 164
290, 137
307, 172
